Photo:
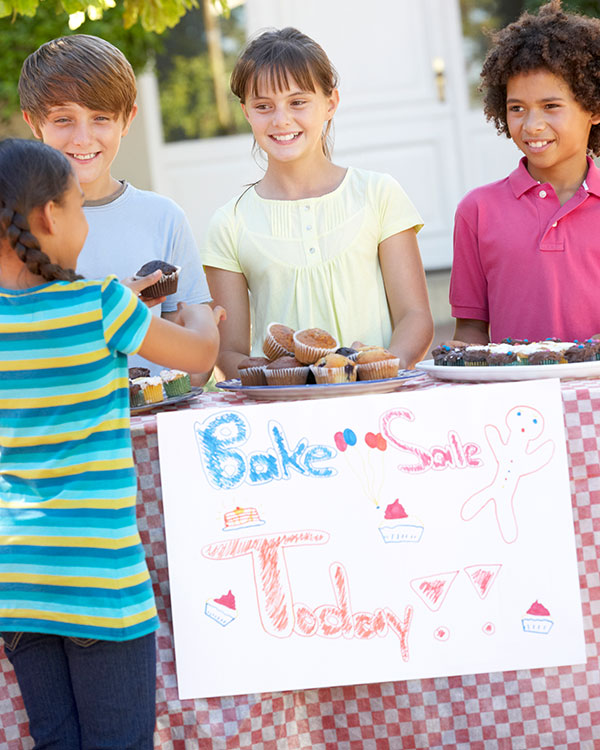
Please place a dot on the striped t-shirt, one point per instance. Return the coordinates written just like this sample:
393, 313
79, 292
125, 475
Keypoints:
71, 559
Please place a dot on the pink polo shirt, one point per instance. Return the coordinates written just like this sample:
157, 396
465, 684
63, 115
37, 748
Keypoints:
526, 264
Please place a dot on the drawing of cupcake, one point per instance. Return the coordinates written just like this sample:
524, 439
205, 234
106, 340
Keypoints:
398, 526
537, 619
221, 610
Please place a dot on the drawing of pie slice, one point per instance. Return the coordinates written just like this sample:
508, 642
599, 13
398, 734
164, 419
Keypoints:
482, 577
434, 588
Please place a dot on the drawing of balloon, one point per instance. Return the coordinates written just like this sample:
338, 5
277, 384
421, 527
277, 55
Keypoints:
350, 436
339, 441
371, 439
381, 442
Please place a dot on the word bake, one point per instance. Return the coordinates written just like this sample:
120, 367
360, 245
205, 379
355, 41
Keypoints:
281, 615
220, 438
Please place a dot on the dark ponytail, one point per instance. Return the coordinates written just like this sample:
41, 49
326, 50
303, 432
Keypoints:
31, 174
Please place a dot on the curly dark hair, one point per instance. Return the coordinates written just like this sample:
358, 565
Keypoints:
566, 44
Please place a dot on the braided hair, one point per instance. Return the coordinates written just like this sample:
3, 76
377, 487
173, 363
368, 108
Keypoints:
31, 174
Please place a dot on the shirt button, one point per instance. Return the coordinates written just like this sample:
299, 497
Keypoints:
308, 228
555, 223
313, 250
307, 208
542, 193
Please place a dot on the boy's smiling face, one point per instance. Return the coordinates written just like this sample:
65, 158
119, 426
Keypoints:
549, 126
89, 139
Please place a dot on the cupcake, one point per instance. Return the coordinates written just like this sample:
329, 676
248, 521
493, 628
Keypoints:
279, 341
334, 368
398, 526
167, 284
502, 358
377, 364
286, 371
544, 357
537, 619
251, 370
580, 353
475, 356
347, 351
175, 382
138, 372
136, 395
312, 343
440, 355
221, 609
151, 388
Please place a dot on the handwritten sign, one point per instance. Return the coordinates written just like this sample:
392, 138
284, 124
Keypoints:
368, 539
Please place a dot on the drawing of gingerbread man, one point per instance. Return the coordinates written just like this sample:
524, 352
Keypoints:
515, 458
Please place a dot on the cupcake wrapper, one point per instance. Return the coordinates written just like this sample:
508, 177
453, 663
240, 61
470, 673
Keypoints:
164, 286
253, 376
178, 386
153, 393
136, 398
387, 368
287, 376
273, 350
477, 363
333, 374
308, 355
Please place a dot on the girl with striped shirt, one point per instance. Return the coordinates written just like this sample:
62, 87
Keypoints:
77, 612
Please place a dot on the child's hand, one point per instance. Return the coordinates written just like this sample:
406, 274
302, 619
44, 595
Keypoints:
137, 286
219, 313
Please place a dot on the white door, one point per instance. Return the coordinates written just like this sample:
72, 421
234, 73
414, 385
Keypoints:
404, 110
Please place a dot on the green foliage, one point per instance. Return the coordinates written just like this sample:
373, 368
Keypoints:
186, 79
22, 36
154, 15
587, 7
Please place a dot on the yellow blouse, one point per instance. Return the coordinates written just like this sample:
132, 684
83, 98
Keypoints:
314, 262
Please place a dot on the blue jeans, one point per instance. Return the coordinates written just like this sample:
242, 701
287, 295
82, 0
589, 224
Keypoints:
82, 694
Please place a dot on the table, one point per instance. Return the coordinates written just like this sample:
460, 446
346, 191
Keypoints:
542, 708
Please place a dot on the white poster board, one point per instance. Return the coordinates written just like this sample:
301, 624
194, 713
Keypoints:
367, 539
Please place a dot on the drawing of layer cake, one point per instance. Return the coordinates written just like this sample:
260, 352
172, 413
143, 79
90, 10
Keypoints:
537, 619
398, 526
242, 518
221, 610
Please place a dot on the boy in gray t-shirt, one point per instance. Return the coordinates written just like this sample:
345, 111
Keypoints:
78, 95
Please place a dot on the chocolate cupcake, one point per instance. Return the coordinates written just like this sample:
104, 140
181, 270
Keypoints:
252, 371
136, 395
167, 284
138, 372
286, 371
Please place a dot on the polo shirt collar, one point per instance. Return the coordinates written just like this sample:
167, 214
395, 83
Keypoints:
521, 181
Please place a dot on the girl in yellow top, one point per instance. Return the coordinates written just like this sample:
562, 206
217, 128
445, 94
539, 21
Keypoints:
315, 244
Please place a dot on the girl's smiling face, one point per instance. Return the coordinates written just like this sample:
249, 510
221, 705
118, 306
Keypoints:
548, 125
288, 123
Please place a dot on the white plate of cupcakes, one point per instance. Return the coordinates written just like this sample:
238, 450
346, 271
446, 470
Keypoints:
310, 364
170, 387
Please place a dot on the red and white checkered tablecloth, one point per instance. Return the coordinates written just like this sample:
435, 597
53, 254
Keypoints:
543, 708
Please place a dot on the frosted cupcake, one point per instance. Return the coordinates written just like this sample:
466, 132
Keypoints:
175, 382
152, 389
136, 395
398, 526
537, 619
167, 284
311, 344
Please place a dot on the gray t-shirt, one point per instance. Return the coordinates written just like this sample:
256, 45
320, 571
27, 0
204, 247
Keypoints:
133, 227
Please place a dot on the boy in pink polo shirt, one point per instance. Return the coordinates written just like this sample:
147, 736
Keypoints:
527, 248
